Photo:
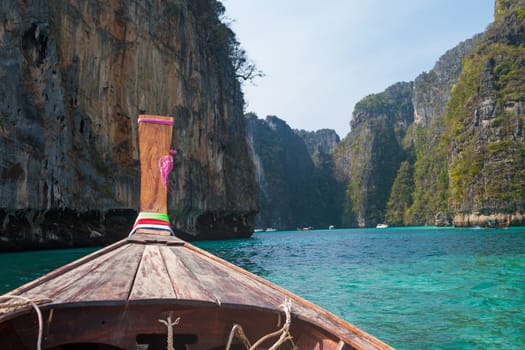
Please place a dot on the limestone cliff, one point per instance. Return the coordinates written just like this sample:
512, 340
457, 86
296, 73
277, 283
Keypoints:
432, 90
485, 125
74, 77
319, 143
372, 152
329, 189
296, 184
463, 156
469, 162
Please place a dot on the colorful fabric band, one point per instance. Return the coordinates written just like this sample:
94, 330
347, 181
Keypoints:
156, 221
155, 216
156, 121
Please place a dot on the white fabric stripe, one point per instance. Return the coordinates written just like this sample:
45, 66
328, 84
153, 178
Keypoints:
151, 226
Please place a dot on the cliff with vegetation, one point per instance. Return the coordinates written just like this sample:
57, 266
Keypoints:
372, 152
446, 149
294, 172
74, 77
459, 159
485, 129
428, 200
468, 165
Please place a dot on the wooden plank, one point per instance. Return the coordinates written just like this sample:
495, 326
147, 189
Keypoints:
267, 296
185, 282
111, 281
152, 280
155, 238
57, 283
154, 143
273, 294
64, 269
148, 231
219, 281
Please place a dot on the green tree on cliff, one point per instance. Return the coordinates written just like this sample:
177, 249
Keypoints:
400, 196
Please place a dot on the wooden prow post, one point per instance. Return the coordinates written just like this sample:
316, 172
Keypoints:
154, 148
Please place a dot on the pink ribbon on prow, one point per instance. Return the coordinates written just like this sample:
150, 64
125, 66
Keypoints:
166, 166
165, 162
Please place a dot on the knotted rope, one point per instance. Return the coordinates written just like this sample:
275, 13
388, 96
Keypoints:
283, 332
239, 333
169, 325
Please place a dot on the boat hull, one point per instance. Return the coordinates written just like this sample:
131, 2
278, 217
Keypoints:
135, 325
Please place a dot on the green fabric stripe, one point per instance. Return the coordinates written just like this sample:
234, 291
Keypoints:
156, 216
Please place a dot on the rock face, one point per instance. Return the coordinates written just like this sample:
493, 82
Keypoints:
319, 143
486, 120
296, 184
373, 152
328, 188
461, 158
432, 89
74, 77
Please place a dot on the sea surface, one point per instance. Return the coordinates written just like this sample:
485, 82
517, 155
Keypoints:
414, 288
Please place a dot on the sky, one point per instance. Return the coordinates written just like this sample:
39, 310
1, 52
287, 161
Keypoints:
321, 57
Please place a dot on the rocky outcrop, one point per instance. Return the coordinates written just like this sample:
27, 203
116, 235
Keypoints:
464, 152
294, 190
485, 122
329, 189
432, 92
74, 77
373, 152
406, 142
319, 143
432, 89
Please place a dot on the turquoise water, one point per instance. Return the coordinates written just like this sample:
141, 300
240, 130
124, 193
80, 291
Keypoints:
414, 288
20, 268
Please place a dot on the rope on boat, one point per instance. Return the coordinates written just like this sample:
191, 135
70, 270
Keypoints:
169, 325
6, 306
283, 332
237, 331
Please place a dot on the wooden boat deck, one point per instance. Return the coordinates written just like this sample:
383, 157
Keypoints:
148, 277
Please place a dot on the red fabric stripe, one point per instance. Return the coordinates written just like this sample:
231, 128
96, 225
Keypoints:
151, 222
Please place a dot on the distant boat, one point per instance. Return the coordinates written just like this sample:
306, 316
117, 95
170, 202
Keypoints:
258, 230
331, 227
381, 226
270, 229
